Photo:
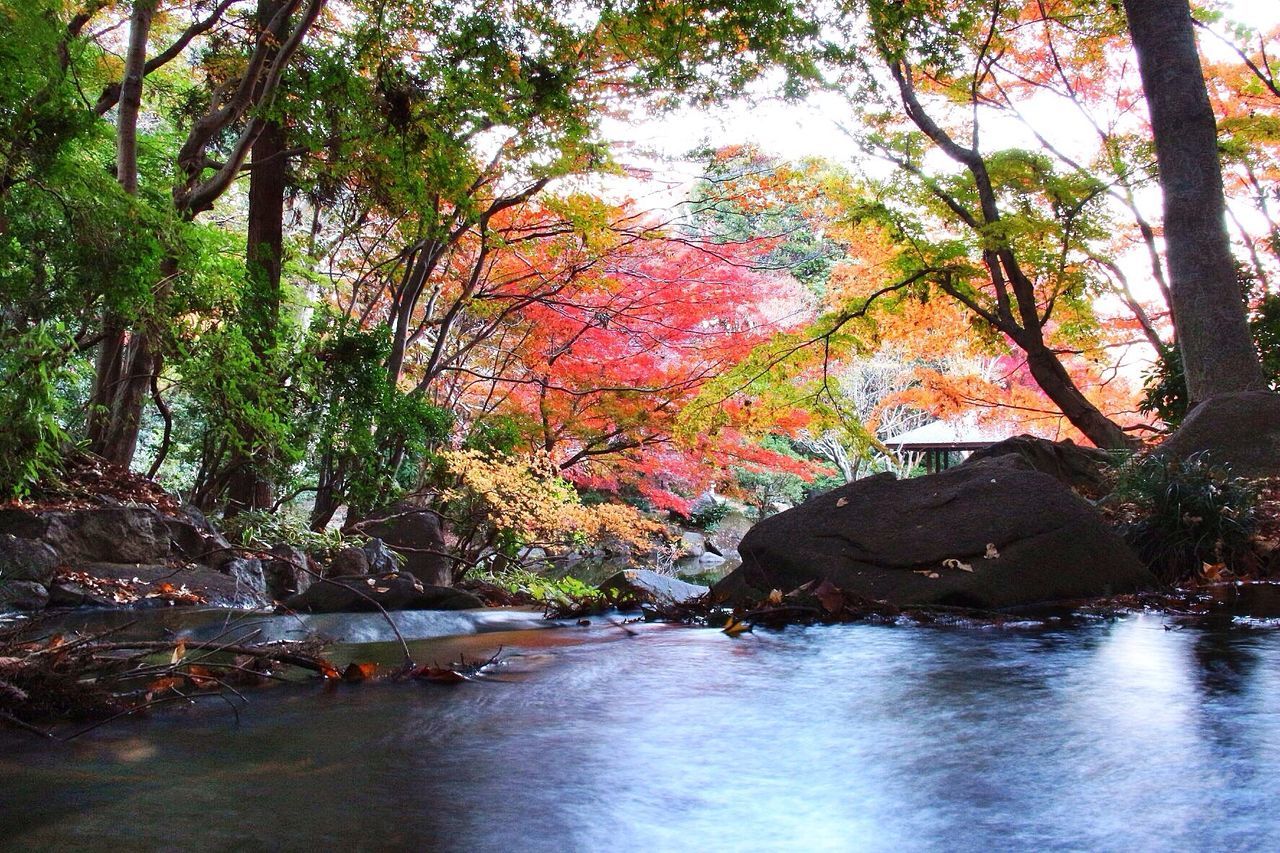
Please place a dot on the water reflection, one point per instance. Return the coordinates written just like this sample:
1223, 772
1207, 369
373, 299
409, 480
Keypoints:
1113, 736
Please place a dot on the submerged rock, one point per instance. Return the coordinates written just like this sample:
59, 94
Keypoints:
989, 535
1240, 430
648, 587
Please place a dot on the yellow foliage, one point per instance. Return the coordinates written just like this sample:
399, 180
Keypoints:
525, 497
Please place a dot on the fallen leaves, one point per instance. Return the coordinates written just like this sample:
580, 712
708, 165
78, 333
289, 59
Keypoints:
358, 672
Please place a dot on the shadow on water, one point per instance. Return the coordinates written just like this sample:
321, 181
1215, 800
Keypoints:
1115, 735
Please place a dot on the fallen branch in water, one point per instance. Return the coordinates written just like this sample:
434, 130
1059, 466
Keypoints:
47, 677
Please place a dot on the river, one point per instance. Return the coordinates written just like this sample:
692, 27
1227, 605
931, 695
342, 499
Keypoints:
1116, 734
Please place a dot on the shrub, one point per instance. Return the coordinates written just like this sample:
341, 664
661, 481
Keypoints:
264, 529
1188, 513
708, 516
32, 440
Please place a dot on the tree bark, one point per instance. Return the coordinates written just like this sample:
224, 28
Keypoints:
131, 95
1209, 313
250, 487
113, 369
1057, 385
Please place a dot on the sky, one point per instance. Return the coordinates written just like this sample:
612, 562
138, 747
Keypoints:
814, 127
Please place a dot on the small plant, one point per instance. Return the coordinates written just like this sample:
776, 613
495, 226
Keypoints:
264, 529
552, 592
1188, 513
707, 517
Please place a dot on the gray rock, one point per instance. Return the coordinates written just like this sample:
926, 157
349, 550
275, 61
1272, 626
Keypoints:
248, 575
287, 572
648, 587
1241, 430
26, 560
398, 591
1083, 468
531, 556
909, 542
22, 595
415, 534
114, 534
693, 544
193, 539
214, 587
382, 560
68, 593
350, 562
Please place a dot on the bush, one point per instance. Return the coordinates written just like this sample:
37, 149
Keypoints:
710, 515
264, 529
32, 440
1188, 513
560, 592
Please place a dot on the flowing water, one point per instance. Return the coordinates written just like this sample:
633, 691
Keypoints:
1114, 735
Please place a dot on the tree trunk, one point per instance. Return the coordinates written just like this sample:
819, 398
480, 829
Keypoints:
1209, 312
141, 362
113, 355
1058, 386
131, 95
250, 487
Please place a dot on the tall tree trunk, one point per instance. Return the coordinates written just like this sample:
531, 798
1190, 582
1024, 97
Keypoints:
112, 362
250, 486
1209, 313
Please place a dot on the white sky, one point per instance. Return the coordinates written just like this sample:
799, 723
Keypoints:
792, 131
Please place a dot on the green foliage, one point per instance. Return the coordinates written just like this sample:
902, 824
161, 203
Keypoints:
263, 529
557, 592
1190, 512
373, 438
710, 515
500, 434
33, 441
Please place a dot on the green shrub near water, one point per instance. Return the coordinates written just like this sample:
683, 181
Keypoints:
1191, 512
264, 529
563, 591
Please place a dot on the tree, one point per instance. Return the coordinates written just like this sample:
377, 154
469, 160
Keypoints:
1208, 309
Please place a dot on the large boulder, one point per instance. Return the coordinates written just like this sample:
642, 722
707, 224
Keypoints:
1082, 468
416, 535
988, 535
287, 571
118, 584
350, 562
1241, 430
397, 591
195, 540
26, 560
113, 534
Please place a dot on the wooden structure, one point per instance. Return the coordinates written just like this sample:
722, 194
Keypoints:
941, 442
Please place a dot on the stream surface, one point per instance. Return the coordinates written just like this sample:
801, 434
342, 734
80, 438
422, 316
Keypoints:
1112, 735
